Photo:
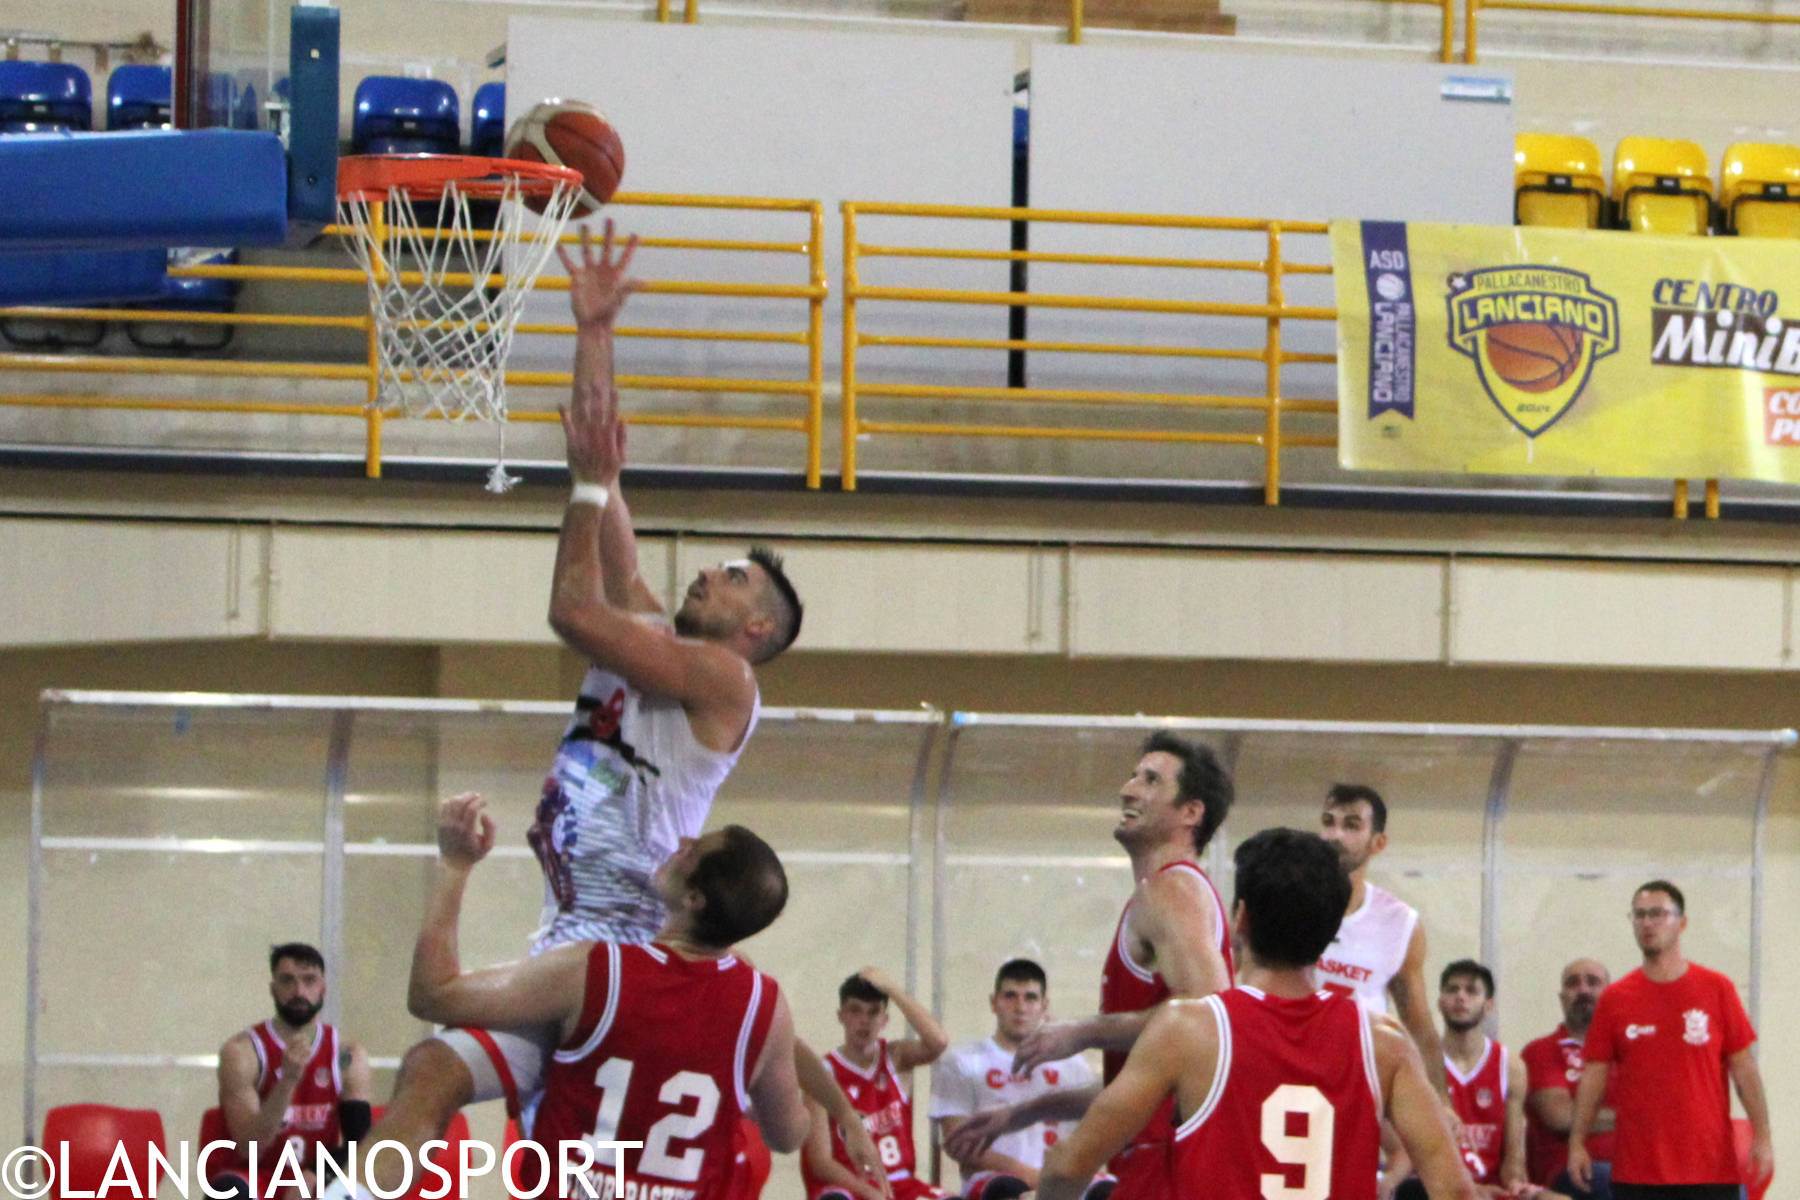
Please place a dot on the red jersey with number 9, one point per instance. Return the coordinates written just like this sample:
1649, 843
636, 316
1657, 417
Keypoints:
663, 1056
1295, 1104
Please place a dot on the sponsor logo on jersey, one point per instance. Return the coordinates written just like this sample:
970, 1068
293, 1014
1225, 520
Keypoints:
1698, 1032
1051, 1075
996, 1078
1634, 1032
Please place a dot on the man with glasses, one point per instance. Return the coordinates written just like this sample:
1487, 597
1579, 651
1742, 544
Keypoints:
1667, 1036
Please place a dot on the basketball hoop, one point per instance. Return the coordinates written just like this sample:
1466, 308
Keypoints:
446, 297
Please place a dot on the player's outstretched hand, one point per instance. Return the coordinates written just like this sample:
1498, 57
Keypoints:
969, 1140
465, 832
598, 284
1047, 1043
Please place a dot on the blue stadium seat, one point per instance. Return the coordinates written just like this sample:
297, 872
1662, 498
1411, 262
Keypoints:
487, 121
405, 116
138, 96
37, 97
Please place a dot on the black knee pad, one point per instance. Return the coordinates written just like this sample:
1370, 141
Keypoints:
999, 1187
1100, 1191
1411, 1189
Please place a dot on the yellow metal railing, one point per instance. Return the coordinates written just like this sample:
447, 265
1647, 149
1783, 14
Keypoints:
1270, 314
1472, 9
807, 386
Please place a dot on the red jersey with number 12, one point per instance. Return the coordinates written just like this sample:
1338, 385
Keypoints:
663, 1056
1295, 1096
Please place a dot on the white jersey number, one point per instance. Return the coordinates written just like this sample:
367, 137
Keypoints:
614, 1078
1311, 1151
889, 1149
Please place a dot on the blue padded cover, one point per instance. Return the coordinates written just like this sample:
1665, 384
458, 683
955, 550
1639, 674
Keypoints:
142, 188
81, 276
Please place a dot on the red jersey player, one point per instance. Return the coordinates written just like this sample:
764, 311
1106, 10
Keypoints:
282, 1082
871, 1071
1278, 1089
1668, 1036
633, 1063
1487, 1084
1553, 1068
1171, 941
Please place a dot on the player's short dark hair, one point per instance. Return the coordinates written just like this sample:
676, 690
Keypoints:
1342, 794
1021, 970
1295, 891
785, 606
300, 952
744, 885
1467, 968
1203, 777
1668, 889
858, 988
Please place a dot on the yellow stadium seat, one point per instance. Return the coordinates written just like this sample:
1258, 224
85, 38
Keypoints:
1759, 190
1661, 186
1557, 181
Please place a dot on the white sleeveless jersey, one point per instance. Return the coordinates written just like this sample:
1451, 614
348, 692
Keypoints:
1369, 948
629, 782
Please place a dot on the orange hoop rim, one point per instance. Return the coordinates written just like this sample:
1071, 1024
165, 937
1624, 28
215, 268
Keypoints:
425, 176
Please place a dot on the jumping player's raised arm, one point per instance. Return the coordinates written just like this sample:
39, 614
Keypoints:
598, 287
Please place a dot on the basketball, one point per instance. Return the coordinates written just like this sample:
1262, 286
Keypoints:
570, 133
1533, 356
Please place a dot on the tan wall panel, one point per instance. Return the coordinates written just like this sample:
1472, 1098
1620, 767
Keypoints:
419, 586
923, 599
1628, 615
1186, 605
80, 582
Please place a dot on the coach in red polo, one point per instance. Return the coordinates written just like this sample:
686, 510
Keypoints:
1667, 1036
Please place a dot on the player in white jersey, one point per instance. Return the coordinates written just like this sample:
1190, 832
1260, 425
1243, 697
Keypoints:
979, 1076
1378, 955
663, 714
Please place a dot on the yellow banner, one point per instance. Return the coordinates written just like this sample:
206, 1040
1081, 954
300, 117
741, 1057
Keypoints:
1525, 351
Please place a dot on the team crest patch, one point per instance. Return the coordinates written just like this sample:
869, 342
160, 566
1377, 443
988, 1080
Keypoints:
1484, 1097
1698, 1032
1534, 334
321, 1078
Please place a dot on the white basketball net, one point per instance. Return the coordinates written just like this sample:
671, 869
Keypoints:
446, 297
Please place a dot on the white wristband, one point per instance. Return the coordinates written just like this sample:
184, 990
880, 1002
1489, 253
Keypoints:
590, 493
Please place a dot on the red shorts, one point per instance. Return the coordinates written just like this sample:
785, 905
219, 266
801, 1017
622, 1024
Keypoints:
1144, 1172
